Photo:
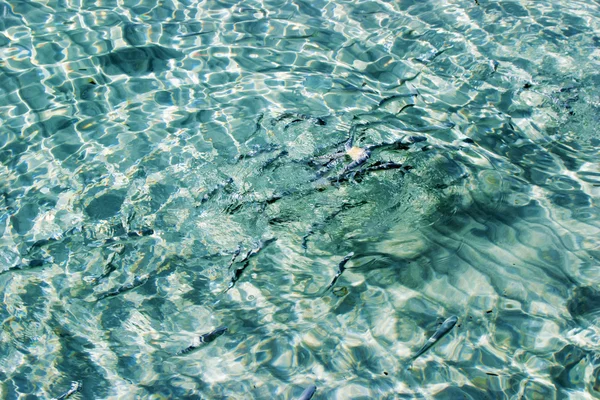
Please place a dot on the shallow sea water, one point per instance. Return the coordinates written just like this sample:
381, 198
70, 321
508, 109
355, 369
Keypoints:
164, 173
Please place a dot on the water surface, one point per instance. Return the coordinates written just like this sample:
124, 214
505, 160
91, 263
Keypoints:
169, 168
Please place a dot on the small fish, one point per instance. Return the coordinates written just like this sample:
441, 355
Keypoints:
208, 195
122, 238
75, 387
395, 97
308, 393
137, 282
376, 166
256, 250
234, 256
109, 268
274, 159
43, 242
383, 166
429, 56
298, 118
237, 273
343, 86
404, 108
29, 264
341, 269
321, 224
440, 333
359, 156
203, 339
399, 144
143, 232
257, 151
494, 65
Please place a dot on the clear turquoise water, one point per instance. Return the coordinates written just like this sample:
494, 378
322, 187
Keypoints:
202, 125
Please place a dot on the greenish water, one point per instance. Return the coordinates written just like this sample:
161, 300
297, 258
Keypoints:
330, 180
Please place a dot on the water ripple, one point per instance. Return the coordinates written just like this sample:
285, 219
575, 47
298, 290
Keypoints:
150, 152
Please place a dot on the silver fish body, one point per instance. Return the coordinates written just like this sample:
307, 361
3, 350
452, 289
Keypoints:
308, 393
210, 336
203, 339
439, 333
75, 387
341, 269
